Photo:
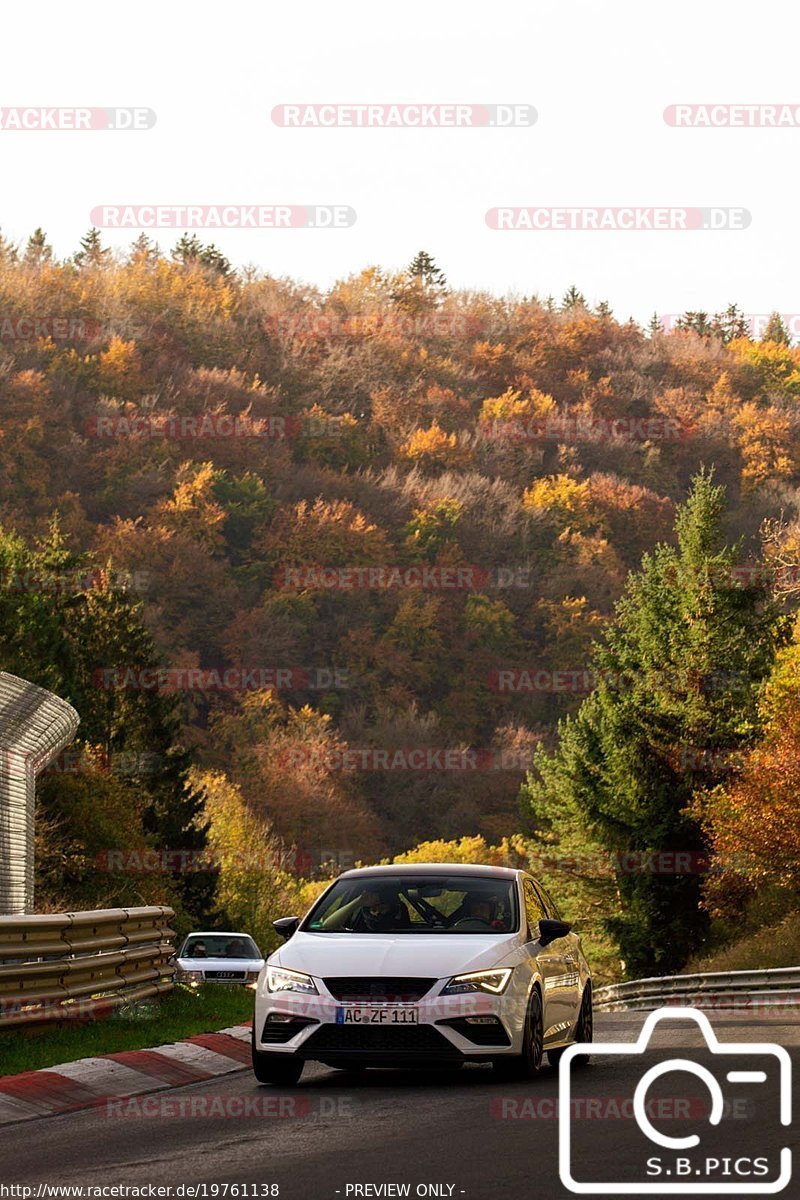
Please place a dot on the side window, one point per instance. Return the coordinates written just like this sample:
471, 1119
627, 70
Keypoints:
534, 909
548, 902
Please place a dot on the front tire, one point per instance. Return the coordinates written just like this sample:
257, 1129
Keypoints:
276, 1069
528, 1064
584, 1028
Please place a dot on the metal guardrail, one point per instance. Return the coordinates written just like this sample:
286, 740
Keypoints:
34, 726
779, 988
85, 964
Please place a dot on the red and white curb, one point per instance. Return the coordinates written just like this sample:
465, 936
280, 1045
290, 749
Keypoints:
89, 1082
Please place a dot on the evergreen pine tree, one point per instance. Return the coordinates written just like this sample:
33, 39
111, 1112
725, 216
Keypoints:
423, 267
144, 250
572, 298
38, 250
92, 252
776, 331
730, 324
677, 677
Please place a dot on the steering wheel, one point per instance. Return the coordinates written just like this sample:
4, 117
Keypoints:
474, 923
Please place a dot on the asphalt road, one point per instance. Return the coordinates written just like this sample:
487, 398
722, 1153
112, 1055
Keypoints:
463, 1131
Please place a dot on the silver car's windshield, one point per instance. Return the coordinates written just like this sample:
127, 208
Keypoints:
219, 945
414, 903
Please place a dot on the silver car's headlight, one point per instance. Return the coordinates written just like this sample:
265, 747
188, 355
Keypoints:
494, 982
280, 979
192, 978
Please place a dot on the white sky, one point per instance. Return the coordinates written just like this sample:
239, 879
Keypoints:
600, 76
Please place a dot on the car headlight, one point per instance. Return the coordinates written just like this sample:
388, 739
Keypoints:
279, 979
193, 978
494, 982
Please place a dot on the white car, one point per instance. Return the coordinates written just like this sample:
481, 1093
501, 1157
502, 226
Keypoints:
219, 957
423, 965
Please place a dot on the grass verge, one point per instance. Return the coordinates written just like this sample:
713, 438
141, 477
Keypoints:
179, 1014
777, 945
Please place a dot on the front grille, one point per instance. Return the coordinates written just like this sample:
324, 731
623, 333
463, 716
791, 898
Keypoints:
276, 1032
402, 1041
226, 974
371, 989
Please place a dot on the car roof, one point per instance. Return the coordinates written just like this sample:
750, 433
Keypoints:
217, 933
390, 869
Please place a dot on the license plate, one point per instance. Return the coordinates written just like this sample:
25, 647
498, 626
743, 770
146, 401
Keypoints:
373, 1015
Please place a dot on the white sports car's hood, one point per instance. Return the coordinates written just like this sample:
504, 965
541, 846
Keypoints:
424, 954
220, 964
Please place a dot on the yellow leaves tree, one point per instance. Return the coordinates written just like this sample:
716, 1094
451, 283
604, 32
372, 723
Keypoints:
510, 852
514, 406
193, 508
292, 768
432, 449
753, 823
327, 531
255, 884
767, 440
562, 496
772, 366
119, 369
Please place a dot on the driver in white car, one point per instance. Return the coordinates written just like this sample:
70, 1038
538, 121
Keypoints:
372, 911
482, 907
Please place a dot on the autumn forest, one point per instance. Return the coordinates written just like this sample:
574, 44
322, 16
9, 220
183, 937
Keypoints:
397, 570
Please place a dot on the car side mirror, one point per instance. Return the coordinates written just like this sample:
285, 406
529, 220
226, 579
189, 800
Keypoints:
550, 930
286, 926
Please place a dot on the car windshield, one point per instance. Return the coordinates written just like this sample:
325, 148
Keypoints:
416, 904
219, 945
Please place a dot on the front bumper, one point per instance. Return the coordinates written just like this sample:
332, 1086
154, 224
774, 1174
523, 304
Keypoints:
471, 1026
